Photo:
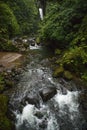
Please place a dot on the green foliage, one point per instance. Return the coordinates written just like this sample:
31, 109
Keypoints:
81, 36
6, 45
8, 22
8, 27
26, 15
84, 77
16, 18
75, 60
65, 27
38, 40
62, 22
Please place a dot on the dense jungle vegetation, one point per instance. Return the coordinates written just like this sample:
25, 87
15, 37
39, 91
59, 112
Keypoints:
64, 29
17, 18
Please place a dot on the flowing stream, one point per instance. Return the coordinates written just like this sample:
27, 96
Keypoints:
61, 112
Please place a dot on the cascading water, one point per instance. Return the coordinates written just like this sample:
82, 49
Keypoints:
41, 13
59, 113
65, 107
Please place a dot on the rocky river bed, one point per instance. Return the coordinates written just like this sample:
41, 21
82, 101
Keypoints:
40, 102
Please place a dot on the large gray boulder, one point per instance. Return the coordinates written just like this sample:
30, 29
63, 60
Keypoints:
47, 93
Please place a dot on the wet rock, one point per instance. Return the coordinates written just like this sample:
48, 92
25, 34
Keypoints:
47, 93
83, 104
31, 41
84, 126
32, 44
9, 83
67, 85
43, 124
18, 40
45, 62
31, 99
83, 100
39, 114
63, 90
11, 115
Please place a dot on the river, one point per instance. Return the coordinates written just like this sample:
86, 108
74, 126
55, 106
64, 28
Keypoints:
61, 112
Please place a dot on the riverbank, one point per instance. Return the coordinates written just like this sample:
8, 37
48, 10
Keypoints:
11, 66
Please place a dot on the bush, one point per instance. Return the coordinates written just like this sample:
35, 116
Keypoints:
75, 59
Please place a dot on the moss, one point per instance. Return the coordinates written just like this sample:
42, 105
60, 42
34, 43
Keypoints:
58, 72
1, 88
9, 83
26, 45
24, 37
5, 123
38, 40
84, 77
3, 104
68, 75
1, 83
57, 52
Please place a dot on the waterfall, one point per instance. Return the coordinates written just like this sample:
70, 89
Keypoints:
41, 13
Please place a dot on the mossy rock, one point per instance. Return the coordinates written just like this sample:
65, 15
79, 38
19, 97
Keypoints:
57, 52
58, 72
1, 88
5, 123
68, 75
24, 37
26, 45
9, 83
2, 83
38, 40
3, 104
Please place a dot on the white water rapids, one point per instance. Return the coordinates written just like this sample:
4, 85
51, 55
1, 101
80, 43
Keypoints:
59, 113
70, 101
